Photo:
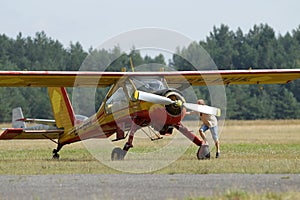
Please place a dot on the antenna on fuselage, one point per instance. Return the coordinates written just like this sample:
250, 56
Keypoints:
131, 64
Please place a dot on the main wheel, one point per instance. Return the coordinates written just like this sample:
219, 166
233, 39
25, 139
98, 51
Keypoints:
118, 154
203, 152
55, 154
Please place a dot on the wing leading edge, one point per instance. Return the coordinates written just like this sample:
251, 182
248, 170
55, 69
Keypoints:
233, 77
104, 79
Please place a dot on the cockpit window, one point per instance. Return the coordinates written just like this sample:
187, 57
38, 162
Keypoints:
81, 117
117, 101
150, 85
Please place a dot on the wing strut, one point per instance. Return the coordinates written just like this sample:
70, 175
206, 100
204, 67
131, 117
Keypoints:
50, 139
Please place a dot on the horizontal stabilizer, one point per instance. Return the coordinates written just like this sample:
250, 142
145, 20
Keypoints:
19, 133
50, 122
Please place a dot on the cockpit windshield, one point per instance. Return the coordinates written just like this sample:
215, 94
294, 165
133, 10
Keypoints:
149, 84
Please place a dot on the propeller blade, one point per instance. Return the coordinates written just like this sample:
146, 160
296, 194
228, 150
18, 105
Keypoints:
203, 109
153, 98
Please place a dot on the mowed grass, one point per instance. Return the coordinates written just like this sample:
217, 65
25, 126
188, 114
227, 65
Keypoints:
246, 147
243, 195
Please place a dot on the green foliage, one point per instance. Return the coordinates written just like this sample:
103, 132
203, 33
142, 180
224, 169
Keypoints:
38, 53
260, 48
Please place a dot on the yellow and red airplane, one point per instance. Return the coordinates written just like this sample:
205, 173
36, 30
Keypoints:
135, 100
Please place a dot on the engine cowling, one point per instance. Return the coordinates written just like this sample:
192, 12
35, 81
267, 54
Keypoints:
164, 117
175, 109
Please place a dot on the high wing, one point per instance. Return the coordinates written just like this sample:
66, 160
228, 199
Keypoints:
58, 78
175, 78
226, 77
233, 77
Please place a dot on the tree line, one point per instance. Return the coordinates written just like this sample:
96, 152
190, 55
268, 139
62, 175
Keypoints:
259, 48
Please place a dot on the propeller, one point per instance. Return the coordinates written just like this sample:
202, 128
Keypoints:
154, 98
203, 109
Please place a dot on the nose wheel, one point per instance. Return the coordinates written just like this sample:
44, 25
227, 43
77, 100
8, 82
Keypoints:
203, 152
118, 154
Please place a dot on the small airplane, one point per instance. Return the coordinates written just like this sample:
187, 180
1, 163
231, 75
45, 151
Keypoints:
135, 100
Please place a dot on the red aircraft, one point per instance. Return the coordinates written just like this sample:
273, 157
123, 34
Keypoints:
135, 100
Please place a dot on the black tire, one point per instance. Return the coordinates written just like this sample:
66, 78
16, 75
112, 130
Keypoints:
55, 156
118, 154
203, 152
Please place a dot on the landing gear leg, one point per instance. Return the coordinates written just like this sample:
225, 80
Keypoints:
118, 153
194, 138
55, 152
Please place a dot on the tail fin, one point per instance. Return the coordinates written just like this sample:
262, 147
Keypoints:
62, 109
16, 115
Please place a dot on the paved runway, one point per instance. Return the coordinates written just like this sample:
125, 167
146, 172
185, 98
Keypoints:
140, 186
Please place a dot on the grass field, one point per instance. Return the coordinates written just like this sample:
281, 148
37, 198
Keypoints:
246, 147
242, 195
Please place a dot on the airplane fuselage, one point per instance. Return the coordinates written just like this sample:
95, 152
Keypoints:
118, 116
